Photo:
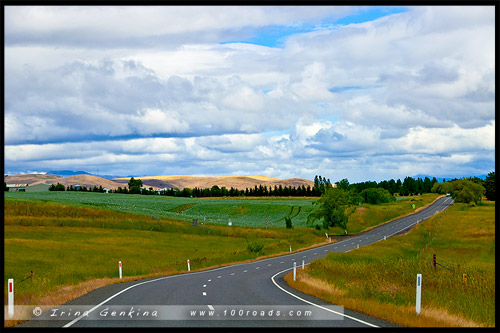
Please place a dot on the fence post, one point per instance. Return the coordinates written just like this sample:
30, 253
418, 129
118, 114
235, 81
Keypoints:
434, 261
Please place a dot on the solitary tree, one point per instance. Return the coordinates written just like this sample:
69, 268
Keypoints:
334, 208
134, 185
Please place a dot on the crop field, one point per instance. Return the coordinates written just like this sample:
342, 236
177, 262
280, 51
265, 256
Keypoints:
241, 212
380, 279
245, 212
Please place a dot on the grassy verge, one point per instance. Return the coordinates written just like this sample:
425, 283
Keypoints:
368, 216
380, 279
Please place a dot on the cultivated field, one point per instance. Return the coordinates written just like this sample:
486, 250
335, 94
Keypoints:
247, 212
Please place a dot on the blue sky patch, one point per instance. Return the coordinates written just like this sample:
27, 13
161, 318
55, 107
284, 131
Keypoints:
370, 14
276, 35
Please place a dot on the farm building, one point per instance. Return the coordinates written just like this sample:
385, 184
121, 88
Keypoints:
17, 187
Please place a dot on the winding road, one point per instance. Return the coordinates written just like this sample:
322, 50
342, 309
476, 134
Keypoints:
241, 295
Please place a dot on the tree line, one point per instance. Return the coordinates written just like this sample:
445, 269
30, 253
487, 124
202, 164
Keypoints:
369, 191
337, 203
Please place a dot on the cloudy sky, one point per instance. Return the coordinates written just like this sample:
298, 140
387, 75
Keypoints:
363, 93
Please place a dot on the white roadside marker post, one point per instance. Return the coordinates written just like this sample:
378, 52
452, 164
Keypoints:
120, 268
290, 248
302, 263
385, 237
11, 298
294, 270
189, 267
419, 292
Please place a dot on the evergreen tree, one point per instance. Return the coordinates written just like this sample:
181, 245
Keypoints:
489, 185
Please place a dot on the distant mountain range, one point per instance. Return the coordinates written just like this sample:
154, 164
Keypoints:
440, 179
65, 173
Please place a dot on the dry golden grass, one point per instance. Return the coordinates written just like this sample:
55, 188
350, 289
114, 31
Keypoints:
402, 315
238, 182
378, 280
88, 181
32, 179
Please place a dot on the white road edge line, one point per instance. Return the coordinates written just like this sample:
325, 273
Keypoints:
135, 285
316, 305
113, 296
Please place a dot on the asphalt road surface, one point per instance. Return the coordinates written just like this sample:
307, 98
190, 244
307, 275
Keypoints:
242, 295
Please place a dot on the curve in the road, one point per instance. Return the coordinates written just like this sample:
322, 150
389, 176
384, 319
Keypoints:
241, 285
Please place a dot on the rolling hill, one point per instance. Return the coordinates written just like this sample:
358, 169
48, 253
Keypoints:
83, 179
159, 182
238, 182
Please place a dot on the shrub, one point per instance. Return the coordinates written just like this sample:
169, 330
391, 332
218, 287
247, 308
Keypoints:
376, 195
255, 247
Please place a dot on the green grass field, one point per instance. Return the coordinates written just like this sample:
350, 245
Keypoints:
380, 279
242, 212
246, 212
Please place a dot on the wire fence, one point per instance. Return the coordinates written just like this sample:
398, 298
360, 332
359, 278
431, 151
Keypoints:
28, 277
